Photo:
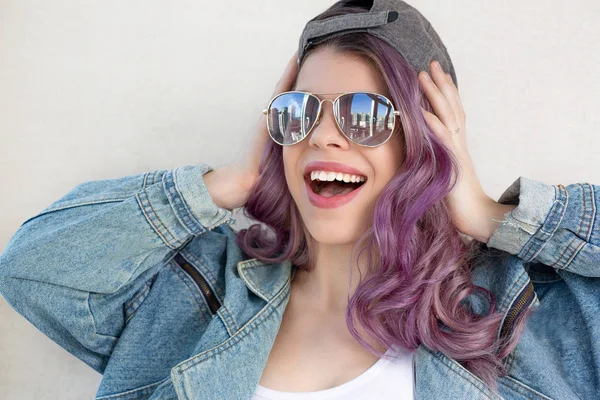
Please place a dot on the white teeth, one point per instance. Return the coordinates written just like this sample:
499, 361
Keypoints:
331, 176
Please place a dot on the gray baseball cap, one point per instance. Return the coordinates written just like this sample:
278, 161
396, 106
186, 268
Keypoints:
395, 22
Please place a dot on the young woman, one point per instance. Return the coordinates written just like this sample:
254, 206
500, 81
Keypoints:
362, 286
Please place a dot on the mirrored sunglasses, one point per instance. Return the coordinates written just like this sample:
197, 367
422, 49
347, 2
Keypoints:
367, 119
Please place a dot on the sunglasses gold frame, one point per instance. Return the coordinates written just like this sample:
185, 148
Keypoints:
333, 103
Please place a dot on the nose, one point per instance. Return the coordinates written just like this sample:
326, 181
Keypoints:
326, 131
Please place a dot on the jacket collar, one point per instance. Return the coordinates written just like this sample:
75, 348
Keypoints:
263, 279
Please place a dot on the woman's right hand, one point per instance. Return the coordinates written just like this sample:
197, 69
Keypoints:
230, 185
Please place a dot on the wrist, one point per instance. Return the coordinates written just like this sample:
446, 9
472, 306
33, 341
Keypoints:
491, 216
228, 186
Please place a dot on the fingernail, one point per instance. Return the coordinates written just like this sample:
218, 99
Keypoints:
426, 76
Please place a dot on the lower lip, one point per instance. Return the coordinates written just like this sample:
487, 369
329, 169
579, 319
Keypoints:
330, 202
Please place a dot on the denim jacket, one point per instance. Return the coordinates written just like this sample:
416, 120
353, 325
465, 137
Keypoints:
140, 277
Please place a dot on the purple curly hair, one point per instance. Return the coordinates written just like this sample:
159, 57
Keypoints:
412, 295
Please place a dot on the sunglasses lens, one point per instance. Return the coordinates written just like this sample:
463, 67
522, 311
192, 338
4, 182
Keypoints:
366, 118
291, 116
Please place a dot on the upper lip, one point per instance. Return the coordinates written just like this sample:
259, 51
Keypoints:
331, 166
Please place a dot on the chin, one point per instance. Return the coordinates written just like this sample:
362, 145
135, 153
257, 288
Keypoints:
328, 231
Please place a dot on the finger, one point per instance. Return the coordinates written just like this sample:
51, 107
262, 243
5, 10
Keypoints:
437, 126
446, 86
438, 101
458, 106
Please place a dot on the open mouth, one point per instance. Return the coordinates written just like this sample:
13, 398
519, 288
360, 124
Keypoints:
332, 188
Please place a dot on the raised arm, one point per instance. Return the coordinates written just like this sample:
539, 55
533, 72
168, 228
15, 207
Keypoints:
107, 239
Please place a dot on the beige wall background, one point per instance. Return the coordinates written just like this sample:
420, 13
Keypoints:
101, 89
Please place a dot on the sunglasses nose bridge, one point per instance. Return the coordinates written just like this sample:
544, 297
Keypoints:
321, 101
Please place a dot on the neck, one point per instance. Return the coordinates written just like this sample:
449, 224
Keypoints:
326, 288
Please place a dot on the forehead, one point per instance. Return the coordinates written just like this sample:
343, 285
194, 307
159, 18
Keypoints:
326, 70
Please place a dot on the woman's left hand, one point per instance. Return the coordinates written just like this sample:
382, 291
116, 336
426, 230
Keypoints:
470, 207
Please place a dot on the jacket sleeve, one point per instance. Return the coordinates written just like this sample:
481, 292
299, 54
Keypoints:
74, 268
552, 224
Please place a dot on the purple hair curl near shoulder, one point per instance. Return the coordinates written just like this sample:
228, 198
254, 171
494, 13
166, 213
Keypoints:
414, 293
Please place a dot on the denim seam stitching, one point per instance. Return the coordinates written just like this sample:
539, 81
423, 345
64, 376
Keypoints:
77, 204
523, 389
565, 253
254, 288
142, 389
588, 218
176, 240
145, 180
151, 216
87, 303
539, 240
149, 219
152, 177
535, 280
142, 292
594, 211
547, 229
258, 263
559, 263
583, 217
135, 303
573, 253
227, 320
175, 198
584, 220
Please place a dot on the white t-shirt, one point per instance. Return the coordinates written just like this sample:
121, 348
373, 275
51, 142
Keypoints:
386, 379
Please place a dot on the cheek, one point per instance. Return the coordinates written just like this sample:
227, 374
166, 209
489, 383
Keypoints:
286, 160
395, 155
386, 166
290, 165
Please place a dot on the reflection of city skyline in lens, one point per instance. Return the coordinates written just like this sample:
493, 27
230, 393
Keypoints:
368, 116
